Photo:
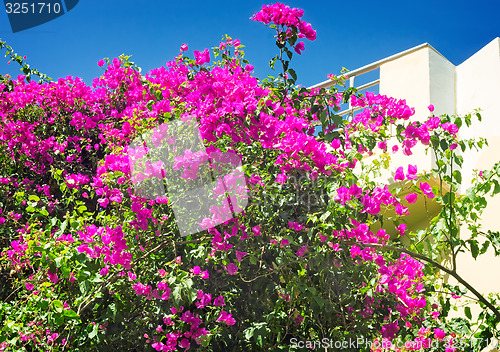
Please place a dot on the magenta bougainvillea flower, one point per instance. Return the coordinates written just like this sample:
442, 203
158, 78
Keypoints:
411, 198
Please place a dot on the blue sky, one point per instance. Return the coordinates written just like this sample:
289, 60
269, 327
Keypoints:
349, 34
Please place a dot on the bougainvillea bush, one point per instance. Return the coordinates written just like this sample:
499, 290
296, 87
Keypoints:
198, 207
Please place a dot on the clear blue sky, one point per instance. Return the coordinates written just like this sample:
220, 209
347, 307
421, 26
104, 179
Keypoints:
347, 35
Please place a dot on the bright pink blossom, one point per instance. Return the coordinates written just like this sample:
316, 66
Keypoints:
204, 274
299, 47
427, 190
240, 255
439, 334
302, 251
295, 226
52, 277
400, 174
411, 198
232, 269
401, 229
219, 301
412, 172
202, 58
196, 270
226, 318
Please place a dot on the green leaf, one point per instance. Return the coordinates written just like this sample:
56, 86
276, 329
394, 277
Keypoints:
481, 203
43, 304
258, 340
325, 216
93, 333
444, 144
448, 197
30, 209
249, 333
468, 313
70, 314
84, 287
459, 160
204, 340
484, 247
434, 140
176, 294
319, 301
457, 176
57, 306
34, 198
158, 95
474, 248
63, 226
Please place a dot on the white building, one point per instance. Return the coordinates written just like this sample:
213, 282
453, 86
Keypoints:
423, 76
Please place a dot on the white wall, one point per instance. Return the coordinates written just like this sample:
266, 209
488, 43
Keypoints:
426, 77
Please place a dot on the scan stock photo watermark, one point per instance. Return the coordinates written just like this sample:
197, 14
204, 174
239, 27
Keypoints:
362, 343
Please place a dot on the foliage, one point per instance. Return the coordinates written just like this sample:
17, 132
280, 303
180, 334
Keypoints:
304, 245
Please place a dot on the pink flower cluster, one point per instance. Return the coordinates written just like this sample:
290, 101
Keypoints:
109, 243
283, 15
150, 293
371, 202
411, 174
422, 342
76, 180
170, 341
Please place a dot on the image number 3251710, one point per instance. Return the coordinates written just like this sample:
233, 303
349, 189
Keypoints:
26, 14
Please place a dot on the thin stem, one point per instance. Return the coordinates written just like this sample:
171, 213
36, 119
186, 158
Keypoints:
453, 273
447, 220
450, 219
450, 293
